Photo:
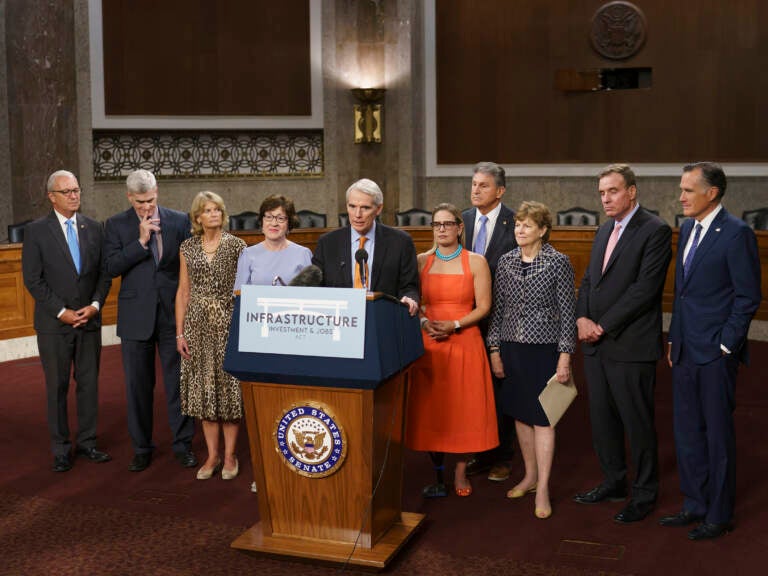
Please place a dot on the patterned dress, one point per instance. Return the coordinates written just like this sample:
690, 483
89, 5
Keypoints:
207, 392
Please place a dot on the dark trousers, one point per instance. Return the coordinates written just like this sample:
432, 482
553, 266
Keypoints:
63, 355
506, 427
704, 436
621, 401
139, 367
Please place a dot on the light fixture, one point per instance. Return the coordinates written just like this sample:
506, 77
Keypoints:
368, 126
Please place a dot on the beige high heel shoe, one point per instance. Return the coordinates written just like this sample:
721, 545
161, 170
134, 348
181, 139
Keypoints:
231, 474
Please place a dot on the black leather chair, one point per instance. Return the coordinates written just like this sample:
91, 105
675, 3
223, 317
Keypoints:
577, 216
16, 232
413, 217
679, 219
651, 210
247, 220
757, 219
343, 219
309, 219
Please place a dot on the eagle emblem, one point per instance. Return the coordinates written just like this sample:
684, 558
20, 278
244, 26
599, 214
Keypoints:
618, 30
309, 444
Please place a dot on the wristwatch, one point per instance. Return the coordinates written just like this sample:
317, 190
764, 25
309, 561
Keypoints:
456, 327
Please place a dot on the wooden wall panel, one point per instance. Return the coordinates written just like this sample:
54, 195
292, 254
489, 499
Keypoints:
496, 62
197, 57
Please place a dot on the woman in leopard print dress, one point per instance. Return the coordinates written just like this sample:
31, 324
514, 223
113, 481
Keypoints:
204, 305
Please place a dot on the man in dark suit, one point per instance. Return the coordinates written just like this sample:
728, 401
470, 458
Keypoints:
142, 246
490, 231
717, 292
391, 255
63, 270
619, 322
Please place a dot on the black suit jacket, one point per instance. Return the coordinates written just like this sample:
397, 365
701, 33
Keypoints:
626, 299
502, 240
394, 271
143, 284
50, 275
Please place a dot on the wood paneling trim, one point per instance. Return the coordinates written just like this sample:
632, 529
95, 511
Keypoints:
17, 306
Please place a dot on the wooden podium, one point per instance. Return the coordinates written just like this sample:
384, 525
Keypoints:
354, 513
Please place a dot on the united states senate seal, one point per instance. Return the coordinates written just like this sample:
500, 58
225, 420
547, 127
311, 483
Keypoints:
310, 440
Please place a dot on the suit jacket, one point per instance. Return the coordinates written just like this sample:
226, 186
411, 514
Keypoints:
50, 274
536, 307
143, 284
502, 240
394, 271
626, 299
716, 301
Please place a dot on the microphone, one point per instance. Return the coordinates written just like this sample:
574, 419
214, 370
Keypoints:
361, 257
309, 276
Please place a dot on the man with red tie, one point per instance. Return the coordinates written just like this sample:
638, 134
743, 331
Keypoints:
618, 316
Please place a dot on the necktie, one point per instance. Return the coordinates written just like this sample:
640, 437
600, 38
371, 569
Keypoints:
482, 233
359, 281
153, 245
74, 247
612, 241
692, 251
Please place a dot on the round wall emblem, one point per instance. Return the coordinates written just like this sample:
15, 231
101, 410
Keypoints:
310, 440
618, 30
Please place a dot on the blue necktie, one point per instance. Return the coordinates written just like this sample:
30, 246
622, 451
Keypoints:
692, 251
74, 247
479, 247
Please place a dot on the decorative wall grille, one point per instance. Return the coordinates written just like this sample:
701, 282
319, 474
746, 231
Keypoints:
246, 154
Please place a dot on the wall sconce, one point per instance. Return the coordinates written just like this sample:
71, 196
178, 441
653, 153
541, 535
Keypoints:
368, 126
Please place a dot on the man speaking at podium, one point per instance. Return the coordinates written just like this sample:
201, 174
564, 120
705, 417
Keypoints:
368, 254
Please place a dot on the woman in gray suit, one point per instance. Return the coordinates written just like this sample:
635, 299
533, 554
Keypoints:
532, 335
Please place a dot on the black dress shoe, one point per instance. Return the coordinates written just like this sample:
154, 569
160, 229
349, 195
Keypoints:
478, 465
682, 518
633, 512
601, 493
706, 531
140, 462
94, 455
186, 459
62, 463
435, 491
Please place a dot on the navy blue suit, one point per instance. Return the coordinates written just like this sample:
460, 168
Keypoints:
714, 305
52, 280
146, 319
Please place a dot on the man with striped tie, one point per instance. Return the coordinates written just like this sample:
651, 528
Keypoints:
62, 262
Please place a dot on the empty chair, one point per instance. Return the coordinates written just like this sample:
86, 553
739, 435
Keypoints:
343, 219
679, 219
16, 232
756, 219
247, 220
413, 217
577, 216
309, 219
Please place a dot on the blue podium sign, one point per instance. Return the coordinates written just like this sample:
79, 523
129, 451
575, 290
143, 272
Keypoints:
302, 321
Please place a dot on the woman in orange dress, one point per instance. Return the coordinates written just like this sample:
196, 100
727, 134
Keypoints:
451, 406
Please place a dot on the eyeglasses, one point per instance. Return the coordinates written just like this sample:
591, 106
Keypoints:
448, 225
70, 192
273, 218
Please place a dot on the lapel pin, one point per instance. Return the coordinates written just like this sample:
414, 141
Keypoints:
717, 229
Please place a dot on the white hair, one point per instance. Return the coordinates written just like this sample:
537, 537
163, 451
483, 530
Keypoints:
57, 174
368, 187
140, 181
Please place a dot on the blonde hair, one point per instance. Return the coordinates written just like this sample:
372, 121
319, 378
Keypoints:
537, 212
198, 205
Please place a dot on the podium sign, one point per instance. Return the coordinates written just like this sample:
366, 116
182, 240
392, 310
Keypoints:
302, 321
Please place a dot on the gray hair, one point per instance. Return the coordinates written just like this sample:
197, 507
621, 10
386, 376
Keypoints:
493, 169
140, 181
57, 174
368, 187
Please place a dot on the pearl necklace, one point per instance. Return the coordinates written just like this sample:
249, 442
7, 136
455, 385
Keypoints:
450, 256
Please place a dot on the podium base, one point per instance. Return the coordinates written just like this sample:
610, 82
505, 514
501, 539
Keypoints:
254, 540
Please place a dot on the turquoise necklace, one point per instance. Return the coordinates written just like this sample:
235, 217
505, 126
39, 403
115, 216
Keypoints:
450, 256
